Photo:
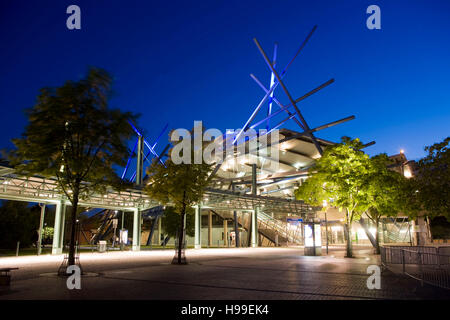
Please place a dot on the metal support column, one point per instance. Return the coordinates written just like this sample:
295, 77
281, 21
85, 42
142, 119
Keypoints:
198, 227
236, 224
159, 231
58, 228
136, 230
41, 226
254, 179
140, 161
151, 235
255, 227
122, 244
254, 214
236, 229
210, 228
225, 232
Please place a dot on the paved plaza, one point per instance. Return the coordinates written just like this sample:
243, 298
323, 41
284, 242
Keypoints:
235, 274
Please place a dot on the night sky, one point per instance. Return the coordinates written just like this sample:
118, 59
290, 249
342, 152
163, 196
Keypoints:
179, 61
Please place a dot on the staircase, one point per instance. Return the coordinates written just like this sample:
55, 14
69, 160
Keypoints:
287, 233
398, 231
269, 227
104, 231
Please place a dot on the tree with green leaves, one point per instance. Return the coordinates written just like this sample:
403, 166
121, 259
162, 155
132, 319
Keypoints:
19, 222
432, 180
171, 222
385, 192
180, 185
426, 194
340, 178
74, 136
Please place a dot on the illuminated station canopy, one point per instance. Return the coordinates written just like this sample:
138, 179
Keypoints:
296, 153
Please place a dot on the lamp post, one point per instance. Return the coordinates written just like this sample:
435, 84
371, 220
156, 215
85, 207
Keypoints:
77, 232
121, 232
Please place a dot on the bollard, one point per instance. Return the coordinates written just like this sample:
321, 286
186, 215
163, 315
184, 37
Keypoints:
17, 249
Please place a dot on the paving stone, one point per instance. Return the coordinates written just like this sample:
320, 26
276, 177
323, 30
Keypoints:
236, 274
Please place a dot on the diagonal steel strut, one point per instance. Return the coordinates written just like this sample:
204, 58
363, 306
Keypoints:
306, 127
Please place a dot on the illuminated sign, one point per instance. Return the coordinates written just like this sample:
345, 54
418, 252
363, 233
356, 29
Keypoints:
124, 236
309, 241
309, 238
294, 221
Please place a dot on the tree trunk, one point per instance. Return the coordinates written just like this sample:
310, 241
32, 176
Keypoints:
181, 235
73, 229
377, 238
349, 240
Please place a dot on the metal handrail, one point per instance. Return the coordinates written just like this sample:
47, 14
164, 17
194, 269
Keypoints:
423, 265
280, 227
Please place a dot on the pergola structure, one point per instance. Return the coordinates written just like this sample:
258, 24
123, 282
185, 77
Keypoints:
237, 185
46, 191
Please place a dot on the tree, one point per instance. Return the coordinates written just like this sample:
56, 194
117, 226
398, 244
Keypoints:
19, 222
340, 177
171, 222
180, 185
385, 192
432, 180
47, 234
426, 194
73, 135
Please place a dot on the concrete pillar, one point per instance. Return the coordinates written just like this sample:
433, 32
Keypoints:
41, 226
210, 228
225, 232
198, 227
159, 231
423, 232
154, 235
236, 229
153, 241
254, 179
254, 214
254, 219
58, 228
136, 230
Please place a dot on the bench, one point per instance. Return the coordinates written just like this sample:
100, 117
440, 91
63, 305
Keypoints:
5, 277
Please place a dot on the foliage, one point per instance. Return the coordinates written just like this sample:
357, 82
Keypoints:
385, 191
340, 176
73, 135
179, 185
385, 188
171, 222
19, 222
432, 181
440, 228
47, 234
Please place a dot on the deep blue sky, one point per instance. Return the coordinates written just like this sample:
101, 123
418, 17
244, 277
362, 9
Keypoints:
180, 61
